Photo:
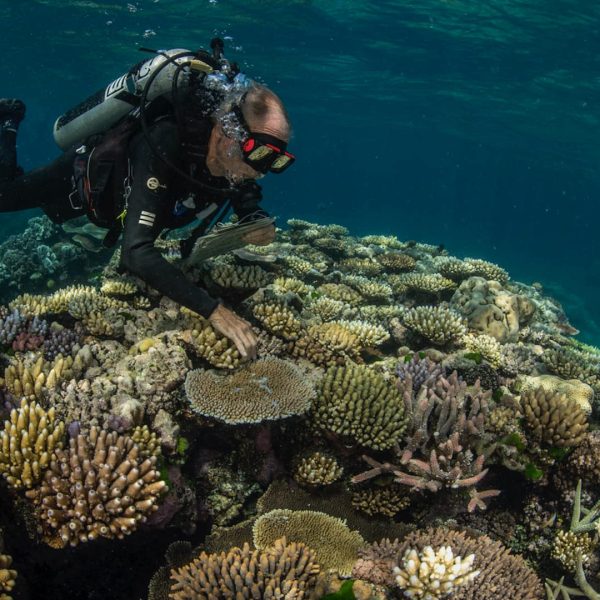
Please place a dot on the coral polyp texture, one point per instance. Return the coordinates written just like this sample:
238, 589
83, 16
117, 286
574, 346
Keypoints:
317, 470
357, 403
100, 487
553, 419
436, 324
283, 570
335, 545
433, 573
267, 389
28, 444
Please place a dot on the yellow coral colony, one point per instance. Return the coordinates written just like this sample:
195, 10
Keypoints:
28, 444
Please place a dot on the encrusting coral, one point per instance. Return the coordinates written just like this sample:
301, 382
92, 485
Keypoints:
267, 389
28, 444
335, 545
357, 403
100, 487
282, 570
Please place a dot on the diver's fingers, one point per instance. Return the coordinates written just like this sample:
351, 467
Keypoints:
249, 340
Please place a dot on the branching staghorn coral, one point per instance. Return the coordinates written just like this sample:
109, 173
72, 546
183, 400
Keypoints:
335, 545
491, 271
553, 419
368, 335
283, 570
357, 403
291, 284
267, 389
444, 422
436, 324
278, 319
99, 487
118, 287
328, 309
28, 444
386, 241
317, 470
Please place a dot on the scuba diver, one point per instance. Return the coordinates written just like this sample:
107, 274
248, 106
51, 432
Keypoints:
180, 138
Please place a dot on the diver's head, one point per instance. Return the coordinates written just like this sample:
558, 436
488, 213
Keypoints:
250, 136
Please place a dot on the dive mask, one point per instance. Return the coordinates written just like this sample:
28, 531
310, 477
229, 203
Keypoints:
266, 153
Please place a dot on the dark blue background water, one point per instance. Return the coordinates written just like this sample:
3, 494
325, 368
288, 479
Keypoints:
471, 124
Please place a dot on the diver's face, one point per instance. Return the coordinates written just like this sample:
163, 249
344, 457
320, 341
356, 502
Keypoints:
225, 159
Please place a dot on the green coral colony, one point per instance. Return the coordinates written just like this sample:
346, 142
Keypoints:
417, 425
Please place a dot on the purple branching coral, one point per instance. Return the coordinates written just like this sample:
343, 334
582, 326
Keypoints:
422, 371
21, 332
446, 422
62, 341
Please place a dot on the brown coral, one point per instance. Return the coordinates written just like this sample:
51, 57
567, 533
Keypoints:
553, 418
267, 389
8, 577
278, 319
99, 487
396, 262
359, 403
283, 570
381, 501
317, 470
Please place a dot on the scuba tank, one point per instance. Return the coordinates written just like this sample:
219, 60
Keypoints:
105, 108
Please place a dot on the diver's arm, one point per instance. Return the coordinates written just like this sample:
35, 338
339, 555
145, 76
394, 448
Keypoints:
147, 212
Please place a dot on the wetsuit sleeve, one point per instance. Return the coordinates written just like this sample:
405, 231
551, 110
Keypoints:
147, 212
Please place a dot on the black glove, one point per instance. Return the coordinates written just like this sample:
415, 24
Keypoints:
247, 200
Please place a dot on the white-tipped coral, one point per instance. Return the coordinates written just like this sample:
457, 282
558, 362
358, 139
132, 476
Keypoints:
431, 574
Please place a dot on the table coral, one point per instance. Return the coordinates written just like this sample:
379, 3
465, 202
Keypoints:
335, 545
267, 389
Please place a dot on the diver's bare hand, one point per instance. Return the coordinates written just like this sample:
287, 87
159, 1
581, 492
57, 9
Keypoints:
260, 237
235, 328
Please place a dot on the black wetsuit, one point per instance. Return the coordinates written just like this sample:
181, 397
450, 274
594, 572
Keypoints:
155, 203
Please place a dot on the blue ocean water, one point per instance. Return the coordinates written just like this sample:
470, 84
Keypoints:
471, 124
